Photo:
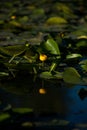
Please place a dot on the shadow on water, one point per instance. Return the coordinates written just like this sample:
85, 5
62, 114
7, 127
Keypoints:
58, 99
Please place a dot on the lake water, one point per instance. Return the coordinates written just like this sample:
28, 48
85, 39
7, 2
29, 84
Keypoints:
59, 100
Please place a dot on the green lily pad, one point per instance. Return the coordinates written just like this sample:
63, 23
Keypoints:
2, 74
56, 21
46, 75
13, 50
27, 124
81, 43
22, 110
83, 64
51, 46
4, 116
73, 56
71, 75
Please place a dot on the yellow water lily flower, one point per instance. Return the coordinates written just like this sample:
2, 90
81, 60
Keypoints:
43, 57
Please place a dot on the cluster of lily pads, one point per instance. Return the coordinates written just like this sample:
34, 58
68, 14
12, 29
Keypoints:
51, 59
52, 54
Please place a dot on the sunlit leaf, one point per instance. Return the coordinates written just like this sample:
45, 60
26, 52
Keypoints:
84, 67
4, 74
15, 23
82, 37
56, 20
73, 56
83, 62
51, 46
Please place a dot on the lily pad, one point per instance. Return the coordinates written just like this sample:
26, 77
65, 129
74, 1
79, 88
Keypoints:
46, 75
73, 56
4, 116
83, 64
22, 110
71, 75
56, 21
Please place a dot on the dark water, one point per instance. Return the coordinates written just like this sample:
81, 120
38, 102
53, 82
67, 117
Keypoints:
58, 99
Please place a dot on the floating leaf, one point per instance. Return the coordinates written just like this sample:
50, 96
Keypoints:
27, 124
83, 64
73, 56
4, 74
81, 43
22, 110
56, 21
60, 122
13, 50
15, 23
58, 75
46, 75
82, 37
71, 75
84, 67
4, 116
